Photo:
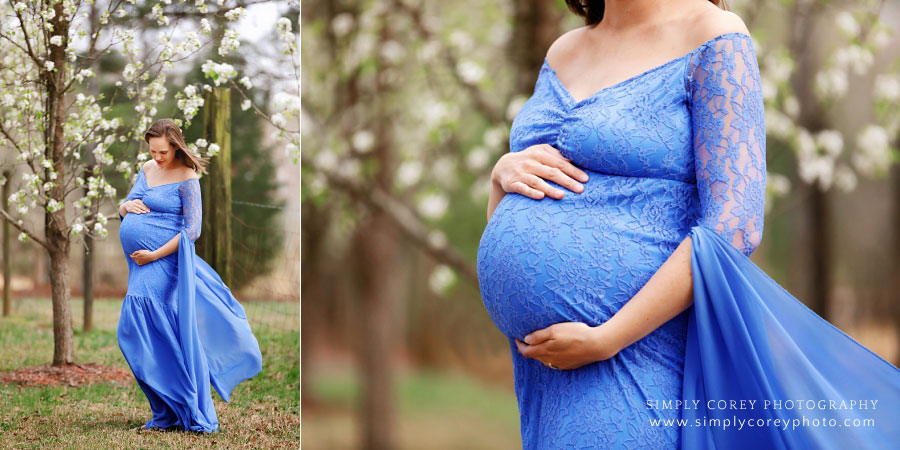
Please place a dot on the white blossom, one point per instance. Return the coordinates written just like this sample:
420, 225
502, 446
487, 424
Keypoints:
349, 168
792, 107
54, 205
854, 57
363, 141
229, 43
779, 183
443, 170
847, 24
844, 178
470, 71
831, 141
433, 206
326, 160
246, 82
873, 153
495, 136
218, 72
56, 40
515, 105
437, 238
887, 88
408, 173
342, 24
392, 51
235, 14
831, 83
84, 73
245, 105
441, 279
279, 120
477, 159
49, 66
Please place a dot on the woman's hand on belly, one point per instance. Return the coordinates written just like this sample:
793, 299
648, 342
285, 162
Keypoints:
136, 206
570, 345
142, 257
524, 172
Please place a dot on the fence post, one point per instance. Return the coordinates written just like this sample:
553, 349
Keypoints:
7, 267
214, 245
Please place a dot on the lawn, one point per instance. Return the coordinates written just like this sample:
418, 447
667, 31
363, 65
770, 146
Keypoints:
263, 413
434, 410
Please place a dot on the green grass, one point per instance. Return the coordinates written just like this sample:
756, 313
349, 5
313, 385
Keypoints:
263, 412
433, 410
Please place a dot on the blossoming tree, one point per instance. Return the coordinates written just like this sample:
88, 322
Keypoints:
48, 123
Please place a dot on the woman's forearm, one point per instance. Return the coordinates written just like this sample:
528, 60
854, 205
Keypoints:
168, 248
497, 194
668, 292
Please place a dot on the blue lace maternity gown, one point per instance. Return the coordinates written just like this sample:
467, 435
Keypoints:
676, 151
180, 328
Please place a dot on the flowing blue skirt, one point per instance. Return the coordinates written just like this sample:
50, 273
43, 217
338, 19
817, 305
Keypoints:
177, 349
804, 383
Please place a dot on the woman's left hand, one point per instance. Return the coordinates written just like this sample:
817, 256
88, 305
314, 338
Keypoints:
570, 345
143, 257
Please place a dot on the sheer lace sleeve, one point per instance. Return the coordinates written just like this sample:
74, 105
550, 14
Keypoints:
137, 189
729, 139
191, 208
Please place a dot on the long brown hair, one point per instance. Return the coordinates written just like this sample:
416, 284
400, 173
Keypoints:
592, 10
169, 129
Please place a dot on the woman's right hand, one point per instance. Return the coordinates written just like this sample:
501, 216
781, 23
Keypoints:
136, 206
524, 172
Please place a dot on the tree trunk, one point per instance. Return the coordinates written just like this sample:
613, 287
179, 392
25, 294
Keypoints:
895, 273
818, 253
62, 311
821, 253
536, 24
87, 284
55, 225
6, 262
376, 247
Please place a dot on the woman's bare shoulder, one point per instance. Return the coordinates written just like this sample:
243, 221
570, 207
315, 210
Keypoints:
188, 173
566, 44
711, 22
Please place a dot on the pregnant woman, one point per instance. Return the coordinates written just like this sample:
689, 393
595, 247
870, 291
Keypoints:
634, 317
180, 328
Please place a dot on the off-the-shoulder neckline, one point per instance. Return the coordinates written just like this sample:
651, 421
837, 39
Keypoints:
164, 184
576, 103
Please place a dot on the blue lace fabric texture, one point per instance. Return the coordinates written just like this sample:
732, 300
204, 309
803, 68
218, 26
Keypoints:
180, 328
675, 151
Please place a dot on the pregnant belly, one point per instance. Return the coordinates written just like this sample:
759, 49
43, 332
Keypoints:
581, 258
147, 231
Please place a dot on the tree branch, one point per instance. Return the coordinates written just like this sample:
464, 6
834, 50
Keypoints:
400, 215
492, 112
15, 223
